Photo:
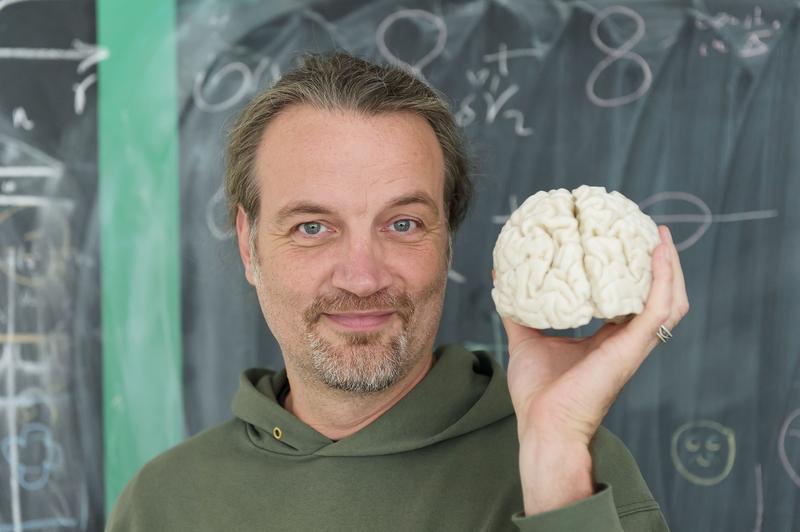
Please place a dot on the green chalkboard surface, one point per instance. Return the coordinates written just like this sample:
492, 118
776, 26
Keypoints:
688, 108
51, 441
112, 126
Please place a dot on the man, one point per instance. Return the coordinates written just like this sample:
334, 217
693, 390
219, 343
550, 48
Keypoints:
346, 182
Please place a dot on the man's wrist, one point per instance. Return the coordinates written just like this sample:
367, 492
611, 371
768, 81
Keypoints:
554, 474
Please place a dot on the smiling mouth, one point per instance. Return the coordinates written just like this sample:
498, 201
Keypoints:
361, 321
703, 461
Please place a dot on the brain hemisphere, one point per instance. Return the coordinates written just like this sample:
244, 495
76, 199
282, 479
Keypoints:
564, 257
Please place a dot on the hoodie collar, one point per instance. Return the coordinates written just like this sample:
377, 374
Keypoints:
463, 392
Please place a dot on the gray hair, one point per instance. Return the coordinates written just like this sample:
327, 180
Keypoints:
338, 81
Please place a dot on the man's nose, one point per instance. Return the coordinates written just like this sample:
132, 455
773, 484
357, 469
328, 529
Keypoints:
360, 267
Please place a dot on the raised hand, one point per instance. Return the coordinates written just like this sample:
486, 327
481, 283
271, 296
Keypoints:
562, 388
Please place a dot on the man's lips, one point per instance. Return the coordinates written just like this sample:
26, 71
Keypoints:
360, 320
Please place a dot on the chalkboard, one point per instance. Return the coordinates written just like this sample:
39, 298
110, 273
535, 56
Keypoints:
688, 108
51, 445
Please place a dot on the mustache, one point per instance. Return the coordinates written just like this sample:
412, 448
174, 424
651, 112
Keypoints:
400, 303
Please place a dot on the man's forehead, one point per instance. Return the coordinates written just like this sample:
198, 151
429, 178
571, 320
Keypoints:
320, 156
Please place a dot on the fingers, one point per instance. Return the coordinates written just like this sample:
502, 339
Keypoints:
658, 309
680, 299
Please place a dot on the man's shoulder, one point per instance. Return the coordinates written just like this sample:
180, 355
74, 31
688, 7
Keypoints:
189, 462
195, 451
170, 482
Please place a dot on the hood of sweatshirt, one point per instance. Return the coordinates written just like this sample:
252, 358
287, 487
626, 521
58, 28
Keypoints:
463, 392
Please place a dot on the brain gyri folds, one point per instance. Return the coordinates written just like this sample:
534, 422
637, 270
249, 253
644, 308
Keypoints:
565, 257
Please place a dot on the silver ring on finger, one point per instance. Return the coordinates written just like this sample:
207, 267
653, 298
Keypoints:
664, 334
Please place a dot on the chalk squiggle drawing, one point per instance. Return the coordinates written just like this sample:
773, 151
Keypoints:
790, 439
34, 477
703, 451
419, 14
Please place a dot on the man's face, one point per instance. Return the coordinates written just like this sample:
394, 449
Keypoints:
351, 250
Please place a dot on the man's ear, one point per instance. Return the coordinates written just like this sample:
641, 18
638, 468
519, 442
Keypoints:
243, 234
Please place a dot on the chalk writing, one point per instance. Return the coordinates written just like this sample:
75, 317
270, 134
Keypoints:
41, 524
503, 54
703, 452
216, 205
415, 15
20, 160
248, 82
704, 219
5, 3
33, 455
789, 446
38, 258
87, 55
12, 456
759, 500
493, 98
618, 54
20, 119
33, 477
80, 93
456, 277
36, 248
752, 33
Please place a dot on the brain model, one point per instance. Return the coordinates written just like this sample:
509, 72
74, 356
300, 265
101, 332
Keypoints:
563, 258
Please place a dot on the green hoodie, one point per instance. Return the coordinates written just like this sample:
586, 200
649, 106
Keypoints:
444, 458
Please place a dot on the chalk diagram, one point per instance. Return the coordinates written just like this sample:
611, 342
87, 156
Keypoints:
87, 55
754, 30
416, 15
35, 249
26, 175
789, 446
236, 79
703, 451
495, 91
33, 476
704, 219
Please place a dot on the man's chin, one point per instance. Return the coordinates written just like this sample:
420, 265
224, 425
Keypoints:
361, 362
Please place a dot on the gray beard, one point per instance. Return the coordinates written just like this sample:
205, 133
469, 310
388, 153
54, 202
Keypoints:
361, 365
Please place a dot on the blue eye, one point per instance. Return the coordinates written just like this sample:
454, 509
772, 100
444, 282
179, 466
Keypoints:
404, 226
312, 228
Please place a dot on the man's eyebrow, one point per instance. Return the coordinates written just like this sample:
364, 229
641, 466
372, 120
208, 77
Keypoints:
415, 197
307, 207
301, 207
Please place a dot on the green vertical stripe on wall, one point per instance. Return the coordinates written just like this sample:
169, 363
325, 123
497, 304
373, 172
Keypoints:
140, 235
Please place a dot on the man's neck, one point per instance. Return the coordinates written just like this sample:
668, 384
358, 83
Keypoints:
337, 414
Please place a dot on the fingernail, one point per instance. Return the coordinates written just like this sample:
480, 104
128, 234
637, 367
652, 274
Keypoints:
669, 235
